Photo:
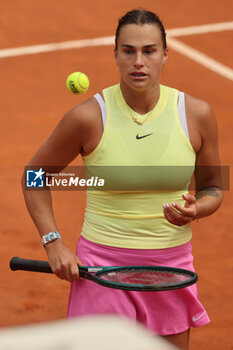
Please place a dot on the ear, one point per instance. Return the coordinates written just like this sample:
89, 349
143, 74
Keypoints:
115, 56
165, 56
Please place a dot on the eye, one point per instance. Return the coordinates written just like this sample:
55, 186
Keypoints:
149, 51
128, 51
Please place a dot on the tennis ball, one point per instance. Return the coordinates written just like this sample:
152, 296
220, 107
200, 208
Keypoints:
77, 83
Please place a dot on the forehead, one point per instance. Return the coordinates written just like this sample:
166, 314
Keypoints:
139, 34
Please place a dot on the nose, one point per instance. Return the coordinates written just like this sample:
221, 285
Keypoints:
138, 60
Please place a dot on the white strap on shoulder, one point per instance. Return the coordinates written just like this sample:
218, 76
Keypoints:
102, 105
182, 113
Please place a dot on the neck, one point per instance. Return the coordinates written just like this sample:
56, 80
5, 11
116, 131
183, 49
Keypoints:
141, 101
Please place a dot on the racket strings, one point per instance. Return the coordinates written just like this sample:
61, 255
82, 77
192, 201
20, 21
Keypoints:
144, 277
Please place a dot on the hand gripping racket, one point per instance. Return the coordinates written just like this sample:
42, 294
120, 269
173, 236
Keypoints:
138, 278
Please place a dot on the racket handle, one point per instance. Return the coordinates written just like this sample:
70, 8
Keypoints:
29, 265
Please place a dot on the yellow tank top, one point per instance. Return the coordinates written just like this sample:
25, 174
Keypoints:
152, 162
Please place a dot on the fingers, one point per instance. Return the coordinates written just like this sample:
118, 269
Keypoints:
190, 199
186, 210
175, 217
63, 262
178, 215
68, 271
74, 272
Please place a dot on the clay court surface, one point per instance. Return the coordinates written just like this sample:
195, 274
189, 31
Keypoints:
34, 98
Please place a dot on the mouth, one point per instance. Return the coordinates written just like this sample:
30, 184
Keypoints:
138, 74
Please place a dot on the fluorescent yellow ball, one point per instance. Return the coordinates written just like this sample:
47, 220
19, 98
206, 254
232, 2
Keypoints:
77, 83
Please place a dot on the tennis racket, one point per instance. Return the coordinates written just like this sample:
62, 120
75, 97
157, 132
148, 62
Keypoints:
137, 278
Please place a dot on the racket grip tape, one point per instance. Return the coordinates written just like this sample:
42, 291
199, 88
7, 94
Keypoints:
29, 265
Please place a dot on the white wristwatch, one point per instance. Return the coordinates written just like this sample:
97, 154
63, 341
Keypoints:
50, 237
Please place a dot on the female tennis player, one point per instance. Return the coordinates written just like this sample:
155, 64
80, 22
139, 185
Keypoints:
139, 123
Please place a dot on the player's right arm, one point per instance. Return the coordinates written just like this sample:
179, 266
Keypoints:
78, 132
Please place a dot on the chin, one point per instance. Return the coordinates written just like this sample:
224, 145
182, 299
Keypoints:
142, 87
138, 85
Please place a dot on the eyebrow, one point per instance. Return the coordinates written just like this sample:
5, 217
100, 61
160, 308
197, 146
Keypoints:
144, 47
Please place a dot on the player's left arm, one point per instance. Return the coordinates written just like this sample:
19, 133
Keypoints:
209, 194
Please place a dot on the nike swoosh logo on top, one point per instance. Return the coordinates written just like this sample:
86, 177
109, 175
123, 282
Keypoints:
195, 319
141, 137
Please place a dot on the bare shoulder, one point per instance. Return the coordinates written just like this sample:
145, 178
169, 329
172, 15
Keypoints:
84, 114
77, 132
201, 113
199, 108
84, 125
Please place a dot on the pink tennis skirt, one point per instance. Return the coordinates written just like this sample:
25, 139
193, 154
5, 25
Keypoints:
163, 313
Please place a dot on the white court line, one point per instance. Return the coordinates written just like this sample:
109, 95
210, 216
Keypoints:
109, 40
202, 29
201, 58
64, 45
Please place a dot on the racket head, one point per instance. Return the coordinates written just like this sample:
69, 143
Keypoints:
144, 278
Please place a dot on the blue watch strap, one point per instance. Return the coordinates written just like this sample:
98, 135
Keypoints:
50, 237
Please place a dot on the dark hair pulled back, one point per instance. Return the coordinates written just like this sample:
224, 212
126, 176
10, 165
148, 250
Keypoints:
140, 17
